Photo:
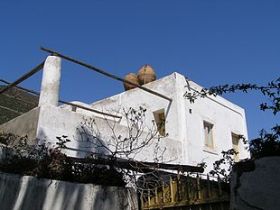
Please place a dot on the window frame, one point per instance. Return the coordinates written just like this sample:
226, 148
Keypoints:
235, 136
160, 123
206, 135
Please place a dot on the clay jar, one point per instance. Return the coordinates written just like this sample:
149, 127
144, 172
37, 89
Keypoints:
131, 77
146, 74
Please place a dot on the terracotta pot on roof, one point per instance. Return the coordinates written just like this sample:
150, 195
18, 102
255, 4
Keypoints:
131, 77
146, 74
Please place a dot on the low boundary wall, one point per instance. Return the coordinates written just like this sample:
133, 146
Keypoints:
31, 193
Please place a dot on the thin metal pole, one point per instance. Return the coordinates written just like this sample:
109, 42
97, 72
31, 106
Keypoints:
19, 87
198, 187
64, 102
104, 73
219, 186
188, 181
23, 77
15, 97
208, 187
156, 195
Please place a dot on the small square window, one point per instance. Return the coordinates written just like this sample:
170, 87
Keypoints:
208, 135
160, 121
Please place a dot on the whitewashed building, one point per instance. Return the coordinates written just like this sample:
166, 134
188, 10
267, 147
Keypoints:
197, 132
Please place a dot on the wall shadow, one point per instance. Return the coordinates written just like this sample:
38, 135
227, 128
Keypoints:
9, 190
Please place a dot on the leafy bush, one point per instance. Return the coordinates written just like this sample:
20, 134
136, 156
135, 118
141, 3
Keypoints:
41, 162
268, 144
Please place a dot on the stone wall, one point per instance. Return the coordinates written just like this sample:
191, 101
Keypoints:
30, 193
256, 184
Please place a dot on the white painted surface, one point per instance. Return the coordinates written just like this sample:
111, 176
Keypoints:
227, 118
184, 121
23, 125
50, 81
52, 123
29, 193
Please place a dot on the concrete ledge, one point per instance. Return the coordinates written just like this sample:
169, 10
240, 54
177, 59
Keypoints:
30, 193
23, 125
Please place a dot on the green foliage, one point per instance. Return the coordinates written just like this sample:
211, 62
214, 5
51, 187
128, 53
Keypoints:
223, 166
271, 91
42, 162
268, 144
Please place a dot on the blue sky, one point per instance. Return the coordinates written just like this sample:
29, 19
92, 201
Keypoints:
210, 41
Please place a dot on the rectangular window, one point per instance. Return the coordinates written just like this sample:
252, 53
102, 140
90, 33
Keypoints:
160, 121
235, 146
208, 135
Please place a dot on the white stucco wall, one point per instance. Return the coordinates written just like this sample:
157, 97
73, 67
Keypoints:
137, 97
30, 193
55, 122
184, 120
226, 118
23, 125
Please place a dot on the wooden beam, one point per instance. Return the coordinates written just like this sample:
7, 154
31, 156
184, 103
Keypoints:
104, 72
64, 102
23, 77
137, 165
